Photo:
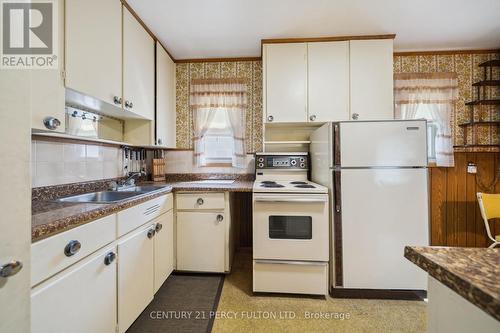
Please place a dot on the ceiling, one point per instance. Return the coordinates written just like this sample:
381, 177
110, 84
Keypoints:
233, 28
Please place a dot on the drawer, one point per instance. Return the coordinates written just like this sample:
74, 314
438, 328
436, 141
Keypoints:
294, 277
133, 217
198, 201
48, 256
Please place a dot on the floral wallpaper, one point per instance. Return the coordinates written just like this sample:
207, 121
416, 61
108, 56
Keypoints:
466, 67
250, 71
464, 64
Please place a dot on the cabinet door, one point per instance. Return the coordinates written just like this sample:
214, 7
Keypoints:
371, 79
138, 68
165, 98
286, 82
328, 81
80, 299
135, 275
47, 87
200, 241
94, 48
164, 248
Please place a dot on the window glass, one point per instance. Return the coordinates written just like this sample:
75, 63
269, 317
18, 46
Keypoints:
218, 140
424, 112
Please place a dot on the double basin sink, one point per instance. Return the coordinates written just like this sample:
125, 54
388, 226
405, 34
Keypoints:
114, 195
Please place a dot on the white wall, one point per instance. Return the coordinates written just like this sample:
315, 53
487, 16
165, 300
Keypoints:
54, 163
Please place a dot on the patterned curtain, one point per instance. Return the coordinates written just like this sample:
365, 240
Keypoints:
438, 91
206, 97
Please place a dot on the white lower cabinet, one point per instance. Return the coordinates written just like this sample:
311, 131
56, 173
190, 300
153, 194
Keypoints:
135, 274
79, 299
163, 248
201, 241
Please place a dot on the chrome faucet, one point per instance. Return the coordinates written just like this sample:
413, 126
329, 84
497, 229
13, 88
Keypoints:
127, 183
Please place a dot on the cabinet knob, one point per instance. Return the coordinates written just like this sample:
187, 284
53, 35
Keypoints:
129, 104
158, 227
109, 258
270, 118
355, 116
151, 233
72, 248
11, 268
160, 141
312, 118
220, 218
51, 123
117, 100
200, 201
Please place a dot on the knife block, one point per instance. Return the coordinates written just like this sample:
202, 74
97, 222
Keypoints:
158, 169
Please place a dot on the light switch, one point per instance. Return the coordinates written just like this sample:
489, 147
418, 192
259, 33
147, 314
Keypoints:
471, 167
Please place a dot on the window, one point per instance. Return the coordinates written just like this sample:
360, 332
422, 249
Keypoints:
424, 112
218, 141
429, 96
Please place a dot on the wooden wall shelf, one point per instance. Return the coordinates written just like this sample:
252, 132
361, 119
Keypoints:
484, 102
489, 83
490, 63
486, 122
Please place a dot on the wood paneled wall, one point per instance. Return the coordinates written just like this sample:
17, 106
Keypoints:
455, 216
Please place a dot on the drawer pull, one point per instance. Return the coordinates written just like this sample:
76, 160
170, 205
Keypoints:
109, 258
72, 248
10, 269
200, 201
151, 233
158, 227
220, 218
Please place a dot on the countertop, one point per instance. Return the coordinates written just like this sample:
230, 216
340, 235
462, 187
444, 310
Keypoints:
473, 273
50, 217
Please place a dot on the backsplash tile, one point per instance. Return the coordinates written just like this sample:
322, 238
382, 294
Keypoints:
181, 162
56, 163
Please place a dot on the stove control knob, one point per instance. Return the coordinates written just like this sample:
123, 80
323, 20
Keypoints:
261, 165
260, 159
302, 165
293, 162
302, 159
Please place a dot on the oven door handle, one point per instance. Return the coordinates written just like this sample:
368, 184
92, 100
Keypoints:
288, 262
289, 199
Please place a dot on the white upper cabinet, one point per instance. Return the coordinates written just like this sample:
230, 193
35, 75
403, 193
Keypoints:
328, 81
94, 48
165, 98
371, 83
285, 82
138, 68
47, 89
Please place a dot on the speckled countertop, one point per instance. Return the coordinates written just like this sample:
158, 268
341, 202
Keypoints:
473, 273
50, 217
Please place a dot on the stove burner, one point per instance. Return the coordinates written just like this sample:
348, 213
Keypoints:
272, 185
268, 182
298, 183
305, 186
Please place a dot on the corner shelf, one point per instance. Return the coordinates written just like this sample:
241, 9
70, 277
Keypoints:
487, 83
484, 102
486, 122
490, 63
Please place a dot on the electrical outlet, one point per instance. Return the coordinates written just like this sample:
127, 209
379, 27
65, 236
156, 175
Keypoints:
471, 168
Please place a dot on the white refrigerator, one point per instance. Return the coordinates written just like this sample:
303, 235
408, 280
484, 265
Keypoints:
376, 172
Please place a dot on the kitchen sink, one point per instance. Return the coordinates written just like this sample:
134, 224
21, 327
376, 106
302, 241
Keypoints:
100, 197
112, 196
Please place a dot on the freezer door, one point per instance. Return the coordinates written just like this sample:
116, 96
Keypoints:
383, 143
383, 210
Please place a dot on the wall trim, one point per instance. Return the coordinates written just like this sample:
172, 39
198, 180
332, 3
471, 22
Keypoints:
234, 59
446, 52
137, 17
324, 39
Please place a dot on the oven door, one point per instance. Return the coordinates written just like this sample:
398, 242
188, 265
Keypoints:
290, 226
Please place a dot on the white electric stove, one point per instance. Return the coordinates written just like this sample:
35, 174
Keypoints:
290, 227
